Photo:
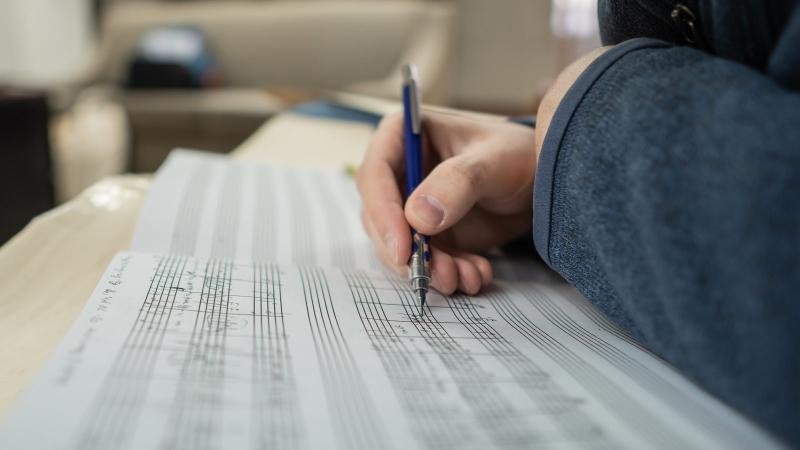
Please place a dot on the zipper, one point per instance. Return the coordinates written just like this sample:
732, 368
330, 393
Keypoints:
686, 20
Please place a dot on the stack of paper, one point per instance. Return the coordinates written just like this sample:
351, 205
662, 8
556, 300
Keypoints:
251, 313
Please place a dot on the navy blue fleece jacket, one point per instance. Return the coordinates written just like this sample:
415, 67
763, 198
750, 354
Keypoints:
668, 193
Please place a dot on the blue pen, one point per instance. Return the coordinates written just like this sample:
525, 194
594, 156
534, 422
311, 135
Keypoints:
419, 267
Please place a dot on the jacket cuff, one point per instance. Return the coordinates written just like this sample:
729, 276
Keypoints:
548, 156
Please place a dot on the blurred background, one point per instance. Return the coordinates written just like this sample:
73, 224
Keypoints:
92, 88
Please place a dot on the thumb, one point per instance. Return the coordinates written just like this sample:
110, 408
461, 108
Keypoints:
446, 194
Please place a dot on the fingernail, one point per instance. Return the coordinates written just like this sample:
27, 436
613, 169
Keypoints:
428, 210
391, 245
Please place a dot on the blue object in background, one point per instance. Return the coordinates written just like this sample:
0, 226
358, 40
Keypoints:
332, 110
175, 56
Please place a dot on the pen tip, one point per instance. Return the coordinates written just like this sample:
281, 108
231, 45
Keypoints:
421, 298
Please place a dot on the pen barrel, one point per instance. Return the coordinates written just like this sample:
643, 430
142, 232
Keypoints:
413, 142
420, 264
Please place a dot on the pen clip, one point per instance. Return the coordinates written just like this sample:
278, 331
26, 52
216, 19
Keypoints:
411, 80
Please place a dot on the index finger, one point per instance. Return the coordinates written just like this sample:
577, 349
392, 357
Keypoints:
378, 184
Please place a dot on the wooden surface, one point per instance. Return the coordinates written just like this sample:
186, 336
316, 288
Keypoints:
306, 142
48, 270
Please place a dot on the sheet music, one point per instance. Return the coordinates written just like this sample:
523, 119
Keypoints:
178, 352
207, 205
253, 314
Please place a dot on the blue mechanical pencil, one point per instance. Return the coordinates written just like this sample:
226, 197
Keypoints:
419, 267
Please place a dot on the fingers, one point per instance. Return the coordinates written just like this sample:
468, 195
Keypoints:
377, 181
501, 181
444, 273
469, 279
466, 272
489, 164
470, 169
483, 266
386, 249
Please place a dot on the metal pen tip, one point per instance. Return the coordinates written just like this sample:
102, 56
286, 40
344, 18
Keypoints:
421, 298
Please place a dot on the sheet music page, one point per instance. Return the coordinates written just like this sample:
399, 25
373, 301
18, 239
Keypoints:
178, 352
208, 205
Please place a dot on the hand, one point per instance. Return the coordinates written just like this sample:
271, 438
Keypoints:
477, 195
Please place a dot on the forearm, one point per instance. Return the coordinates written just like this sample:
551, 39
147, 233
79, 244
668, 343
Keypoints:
671, 202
